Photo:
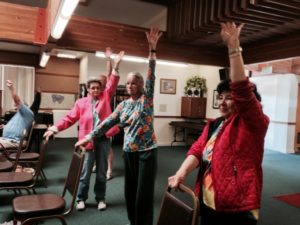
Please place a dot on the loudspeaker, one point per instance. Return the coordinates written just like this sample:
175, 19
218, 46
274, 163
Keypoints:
224, 73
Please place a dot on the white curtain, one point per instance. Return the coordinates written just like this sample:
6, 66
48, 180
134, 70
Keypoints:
23, 78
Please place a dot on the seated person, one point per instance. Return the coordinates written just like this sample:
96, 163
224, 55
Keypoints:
22, 120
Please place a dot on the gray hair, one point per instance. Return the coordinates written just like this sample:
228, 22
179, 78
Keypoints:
137, 75
93, 80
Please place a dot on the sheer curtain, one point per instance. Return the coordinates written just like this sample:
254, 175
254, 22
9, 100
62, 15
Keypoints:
23, 78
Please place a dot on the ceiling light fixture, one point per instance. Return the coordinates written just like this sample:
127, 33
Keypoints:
143, 60
44, 59
66, 55
66, 9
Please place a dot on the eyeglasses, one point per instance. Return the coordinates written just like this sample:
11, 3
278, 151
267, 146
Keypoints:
224, 97
95, 88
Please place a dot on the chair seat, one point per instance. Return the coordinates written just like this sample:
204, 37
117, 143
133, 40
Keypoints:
6, 166
11, 179
28, 156
38, 205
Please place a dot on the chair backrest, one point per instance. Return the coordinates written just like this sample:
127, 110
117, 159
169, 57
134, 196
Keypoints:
43, 149
19, 150
174, 211
29, 138
72, 181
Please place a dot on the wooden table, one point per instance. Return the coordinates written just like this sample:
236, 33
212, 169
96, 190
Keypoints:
187, 128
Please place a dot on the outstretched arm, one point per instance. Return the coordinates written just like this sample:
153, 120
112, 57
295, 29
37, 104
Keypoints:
230, 34
13, 93
188, 165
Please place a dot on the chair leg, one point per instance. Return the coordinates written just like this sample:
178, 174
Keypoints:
44, 178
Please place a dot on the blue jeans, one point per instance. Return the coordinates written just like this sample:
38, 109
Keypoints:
100, 153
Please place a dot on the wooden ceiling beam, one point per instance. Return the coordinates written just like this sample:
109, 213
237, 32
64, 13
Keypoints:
280, 48
91, 35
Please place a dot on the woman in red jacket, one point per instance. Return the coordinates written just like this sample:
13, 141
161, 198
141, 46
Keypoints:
230, 150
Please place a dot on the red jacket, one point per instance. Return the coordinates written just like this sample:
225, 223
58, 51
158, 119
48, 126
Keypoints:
237, 154
83, 112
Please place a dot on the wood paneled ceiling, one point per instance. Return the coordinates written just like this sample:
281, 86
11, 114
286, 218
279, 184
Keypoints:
272, 30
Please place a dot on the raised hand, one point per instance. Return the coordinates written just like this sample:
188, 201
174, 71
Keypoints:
118, 58
9, 83
230, 34
153, 36
108, 52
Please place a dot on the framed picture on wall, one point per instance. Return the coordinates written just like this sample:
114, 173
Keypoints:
167, 86
215, 100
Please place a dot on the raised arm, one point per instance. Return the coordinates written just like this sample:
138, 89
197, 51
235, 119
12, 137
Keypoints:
13, 93
117, 61
230, 34
108, 53
153, 36
36, 102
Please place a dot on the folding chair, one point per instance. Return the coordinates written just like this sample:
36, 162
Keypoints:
176, 212
17, 180
33, 158
40, 207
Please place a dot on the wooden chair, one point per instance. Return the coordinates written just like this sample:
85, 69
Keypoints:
9, 180
33, 208
23, 180
32, 158
176, 212
5, 164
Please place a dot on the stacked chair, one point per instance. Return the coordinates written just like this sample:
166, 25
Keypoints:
39, 207
21, 180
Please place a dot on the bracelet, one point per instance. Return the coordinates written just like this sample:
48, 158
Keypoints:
153, 51
236, 50
235, 54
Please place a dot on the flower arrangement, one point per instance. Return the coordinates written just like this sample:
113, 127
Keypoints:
195, 86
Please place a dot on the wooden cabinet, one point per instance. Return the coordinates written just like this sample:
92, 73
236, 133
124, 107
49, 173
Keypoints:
193, 107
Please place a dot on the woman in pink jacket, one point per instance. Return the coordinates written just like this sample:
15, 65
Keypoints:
229, 152
89, 112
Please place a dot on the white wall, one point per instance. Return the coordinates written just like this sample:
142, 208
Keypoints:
279, 99
23, 79
170, 102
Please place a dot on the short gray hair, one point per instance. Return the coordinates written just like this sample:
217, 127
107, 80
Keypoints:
93, 80
136, 75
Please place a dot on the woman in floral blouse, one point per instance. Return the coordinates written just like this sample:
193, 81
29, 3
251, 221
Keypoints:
135, 116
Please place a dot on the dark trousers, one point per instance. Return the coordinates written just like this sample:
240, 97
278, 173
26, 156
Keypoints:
212, 217
140, 173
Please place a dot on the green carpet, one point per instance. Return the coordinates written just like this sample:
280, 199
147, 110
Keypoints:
281, 175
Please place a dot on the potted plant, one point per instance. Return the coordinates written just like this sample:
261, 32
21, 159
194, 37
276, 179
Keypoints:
195, 86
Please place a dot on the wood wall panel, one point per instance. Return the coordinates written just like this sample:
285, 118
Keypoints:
17, 22
60, 76
17, 58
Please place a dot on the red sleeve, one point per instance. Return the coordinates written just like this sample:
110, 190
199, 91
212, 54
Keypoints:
197, 147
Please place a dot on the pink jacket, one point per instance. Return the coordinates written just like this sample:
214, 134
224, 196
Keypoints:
82, 112
237, 154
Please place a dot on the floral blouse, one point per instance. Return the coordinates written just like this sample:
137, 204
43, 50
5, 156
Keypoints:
135, 117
